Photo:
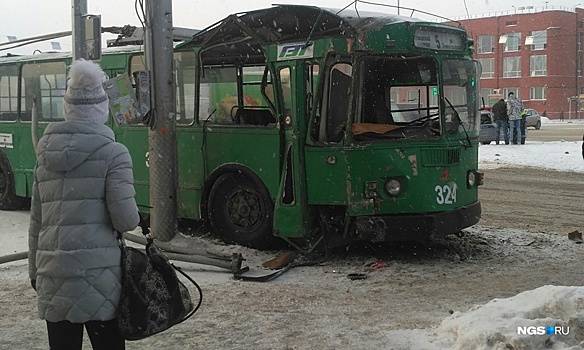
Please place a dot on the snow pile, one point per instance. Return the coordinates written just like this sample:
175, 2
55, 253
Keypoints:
495, 324
556, 155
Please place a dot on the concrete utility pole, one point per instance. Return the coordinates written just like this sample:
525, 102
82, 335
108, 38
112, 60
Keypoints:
162, 135
78, 13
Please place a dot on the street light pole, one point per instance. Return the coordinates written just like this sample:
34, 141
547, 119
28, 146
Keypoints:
162, 134
78, 13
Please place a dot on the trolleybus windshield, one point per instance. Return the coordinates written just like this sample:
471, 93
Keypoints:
400, 94
401, 98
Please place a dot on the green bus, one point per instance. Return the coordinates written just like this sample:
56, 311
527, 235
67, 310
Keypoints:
293, 123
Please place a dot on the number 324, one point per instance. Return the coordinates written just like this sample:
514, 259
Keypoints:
445, 194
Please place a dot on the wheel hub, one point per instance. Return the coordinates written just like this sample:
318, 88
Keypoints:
244, 209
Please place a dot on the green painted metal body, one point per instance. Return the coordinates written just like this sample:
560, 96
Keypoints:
303, 174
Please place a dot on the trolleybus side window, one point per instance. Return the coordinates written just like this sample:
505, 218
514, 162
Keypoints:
311, 75
8, 93
336, 108
218, 95
184, 63
286, 86
232, 95
47, 82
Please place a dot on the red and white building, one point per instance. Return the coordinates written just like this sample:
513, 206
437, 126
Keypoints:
535, 53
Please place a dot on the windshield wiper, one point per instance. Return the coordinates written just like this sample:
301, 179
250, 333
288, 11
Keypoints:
422, 119
455, 114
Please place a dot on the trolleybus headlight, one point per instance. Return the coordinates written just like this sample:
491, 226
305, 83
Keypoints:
393, 187
471, 179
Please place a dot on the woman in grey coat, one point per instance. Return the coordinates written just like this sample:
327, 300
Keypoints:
83, 191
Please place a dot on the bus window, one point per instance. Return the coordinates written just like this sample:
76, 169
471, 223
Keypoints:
47, 82
256, 108
337, 91
184, 63
310, 86
218, 95
8, 93
137, 63
286, 86
461, 93
233, 96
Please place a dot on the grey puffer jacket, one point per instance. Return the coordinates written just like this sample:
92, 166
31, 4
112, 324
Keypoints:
83, 190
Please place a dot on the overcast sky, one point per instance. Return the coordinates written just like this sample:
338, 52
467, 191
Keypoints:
27, 18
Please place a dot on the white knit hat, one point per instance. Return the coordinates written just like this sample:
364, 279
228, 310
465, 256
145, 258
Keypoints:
85, 99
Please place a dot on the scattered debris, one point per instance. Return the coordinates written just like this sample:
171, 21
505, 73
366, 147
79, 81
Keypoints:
575, 236
240, 274
356, 276
377, 264
280, 261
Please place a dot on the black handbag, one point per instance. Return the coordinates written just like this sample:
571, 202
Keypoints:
153, 298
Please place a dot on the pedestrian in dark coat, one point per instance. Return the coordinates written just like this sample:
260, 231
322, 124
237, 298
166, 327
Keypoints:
502, 120
83, 192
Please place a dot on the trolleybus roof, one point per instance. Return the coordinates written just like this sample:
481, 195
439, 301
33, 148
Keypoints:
248, 31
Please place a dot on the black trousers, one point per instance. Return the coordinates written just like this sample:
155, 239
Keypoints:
104, 335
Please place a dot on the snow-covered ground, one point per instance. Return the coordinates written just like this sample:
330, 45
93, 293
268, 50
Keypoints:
530, 311
556, 155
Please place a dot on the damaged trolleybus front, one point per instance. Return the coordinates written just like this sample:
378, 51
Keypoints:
332, 126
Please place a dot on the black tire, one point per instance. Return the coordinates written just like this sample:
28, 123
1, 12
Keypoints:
486, 142
8, 198
538, 125
241, 211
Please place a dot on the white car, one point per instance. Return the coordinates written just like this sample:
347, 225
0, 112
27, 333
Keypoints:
532, 118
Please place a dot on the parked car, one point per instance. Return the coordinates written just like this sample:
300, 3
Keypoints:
532, 118
488, 131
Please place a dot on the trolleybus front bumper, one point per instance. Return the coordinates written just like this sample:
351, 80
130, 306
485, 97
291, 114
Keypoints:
416, 226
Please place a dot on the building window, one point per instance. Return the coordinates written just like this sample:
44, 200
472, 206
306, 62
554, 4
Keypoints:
488, 65
538, 65
513, 90
512, 67
485, 93
512, 42
485, 44
579, 38
537, 40
579, 65
537, 93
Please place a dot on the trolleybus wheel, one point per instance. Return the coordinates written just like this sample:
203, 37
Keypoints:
8, 198
241, 211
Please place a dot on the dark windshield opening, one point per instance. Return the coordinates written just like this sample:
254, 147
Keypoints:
398, 93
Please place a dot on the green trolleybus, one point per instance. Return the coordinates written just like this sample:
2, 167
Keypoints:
296, 123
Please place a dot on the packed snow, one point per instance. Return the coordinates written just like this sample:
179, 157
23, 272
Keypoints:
556, 155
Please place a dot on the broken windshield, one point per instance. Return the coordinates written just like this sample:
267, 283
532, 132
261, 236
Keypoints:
399, 98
